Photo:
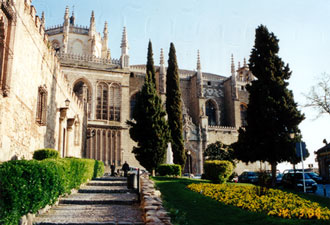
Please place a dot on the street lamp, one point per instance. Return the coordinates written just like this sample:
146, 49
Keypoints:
67, 103
292, 134
188, 153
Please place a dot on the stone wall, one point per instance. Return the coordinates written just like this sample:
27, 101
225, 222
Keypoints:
35, 65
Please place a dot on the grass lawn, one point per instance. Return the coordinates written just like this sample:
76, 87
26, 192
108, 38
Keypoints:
188, 207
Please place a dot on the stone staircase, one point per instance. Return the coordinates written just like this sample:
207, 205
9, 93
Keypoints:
102, 201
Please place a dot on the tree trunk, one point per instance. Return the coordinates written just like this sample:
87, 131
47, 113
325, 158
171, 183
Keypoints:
153, 173
273, 165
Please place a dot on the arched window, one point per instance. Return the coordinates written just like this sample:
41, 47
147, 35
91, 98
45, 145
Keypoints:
102, 102
78, 90
132, 105
211, 113
115, 102
243, 109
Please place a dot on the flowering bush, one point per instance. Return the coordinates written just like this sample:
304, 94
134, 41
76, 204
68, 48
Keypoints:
273, 202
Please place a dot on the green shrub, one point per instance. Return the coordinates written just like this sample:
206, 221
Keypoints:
27, 186
218, 171
98, 168
169, 170
46, 153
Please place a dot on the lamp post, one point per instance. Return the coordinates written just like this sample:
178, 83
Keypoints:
302, 161
188, 153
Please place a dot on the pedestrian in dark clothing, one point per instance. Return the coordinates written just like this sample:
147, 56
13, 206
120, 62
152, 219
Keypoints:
113, 168
125, 168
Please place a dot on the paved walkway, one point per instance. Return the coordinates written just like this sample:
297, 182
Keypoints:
102, 201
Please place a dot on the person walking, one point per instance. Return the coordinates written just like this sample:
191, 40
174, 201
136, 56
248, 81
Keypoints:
113, 168
125, 168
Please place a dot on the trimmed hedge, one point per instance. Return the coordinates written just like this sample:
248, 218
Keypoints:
218, 171
46, 153
27, 186
169, 170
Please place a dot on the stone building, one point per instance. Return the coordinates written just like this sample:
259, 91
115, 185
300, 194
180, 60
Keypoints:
214, 106
323, 159
68, 57
38, 108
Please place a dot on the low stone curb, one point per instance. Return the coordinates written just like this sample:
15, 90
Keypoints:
151, 203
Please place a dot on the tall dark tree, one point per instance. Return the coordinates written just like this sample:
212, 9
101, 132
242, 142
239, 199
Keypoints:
149, 127
174, 108
150, 64
272, 112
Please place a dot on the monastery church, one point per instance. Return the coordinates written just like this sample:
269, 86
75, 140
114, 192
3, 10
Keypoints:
61, 88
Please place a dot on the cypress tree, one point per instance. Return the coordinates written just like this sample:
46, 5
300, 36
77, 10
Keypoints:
149, 127
272, 112
150, 64
174, 108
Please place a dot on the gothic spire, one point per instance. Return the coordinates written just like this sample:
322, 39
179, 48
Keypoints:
43, 18
198, 62
232, 65
162, 73
72, 18
66, 16
161, 57
105, 53
105, 30
124, 50
124, 42
92, 20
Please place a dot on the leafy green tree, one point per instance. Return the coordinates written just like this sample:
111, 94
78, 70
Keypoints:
150, 64
272, 112
149, 127
174, 108
219, 151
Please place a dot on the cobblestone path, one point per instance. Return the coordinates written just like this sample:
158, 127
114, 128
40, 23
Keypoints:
102, 201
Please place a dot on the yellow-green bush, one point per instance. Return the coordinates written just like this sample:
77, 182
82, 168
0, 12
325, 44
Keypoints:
27, 186
218, 170
273, 202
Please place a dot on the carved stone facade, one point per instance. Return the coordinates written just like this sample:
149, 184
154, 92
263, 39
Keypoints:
68, 57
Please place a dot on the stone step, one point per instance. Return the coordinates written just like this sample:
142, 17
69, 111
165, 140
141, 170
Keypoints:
105, 189
107, 178
101, 198
104, 183
91, 214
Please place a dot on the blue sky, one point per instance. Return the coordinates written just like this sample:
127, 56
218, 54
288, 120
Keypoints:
218, 28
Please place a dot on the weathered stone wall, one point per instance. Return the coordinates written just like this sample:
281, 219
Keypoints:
35, 65
226, 135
